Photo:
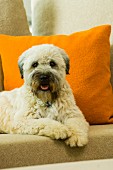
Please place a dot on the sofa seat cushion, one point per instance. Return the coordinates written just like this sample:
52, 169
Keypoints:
26, 150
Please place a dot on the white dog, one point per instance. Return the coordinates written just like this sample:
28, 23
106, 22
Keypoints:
44, 105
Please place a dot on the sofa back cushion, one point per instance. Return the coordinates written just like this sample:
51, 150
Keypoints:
13, 20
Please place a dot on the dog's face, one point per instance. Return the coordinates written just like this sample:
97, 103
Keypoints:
44, 68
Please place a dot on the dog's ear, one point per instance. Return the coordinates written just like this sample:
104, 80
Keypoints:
66, 59
22, 59
21, 64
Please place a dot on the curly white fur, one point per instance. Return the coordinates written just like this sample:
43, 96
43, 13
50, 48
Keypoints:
24, 112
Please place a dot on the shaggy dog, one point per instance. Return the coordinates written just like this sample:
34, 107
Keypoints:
44, 105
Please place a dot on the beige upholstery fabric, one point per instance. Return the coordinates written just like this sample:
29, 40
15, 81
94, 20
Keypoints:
25, 150
13, 19
65, 17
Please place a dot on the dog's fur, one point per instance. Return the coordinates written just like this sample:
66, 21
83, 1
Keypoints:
44, 105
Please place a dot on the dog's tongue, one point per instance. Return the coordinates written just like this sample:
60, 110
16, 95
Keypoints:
46, 87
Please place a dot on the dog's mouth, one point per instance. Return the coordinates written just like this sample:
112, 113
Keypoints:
44, 87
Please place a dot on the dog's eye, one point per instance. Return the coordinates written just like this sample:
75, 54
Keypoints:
52, 63
35, 64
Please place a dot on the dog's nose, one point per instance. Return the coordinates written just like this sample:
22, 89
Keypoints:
43, 77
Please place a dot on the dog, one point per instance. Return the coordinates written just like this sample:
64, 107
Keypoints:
44, 105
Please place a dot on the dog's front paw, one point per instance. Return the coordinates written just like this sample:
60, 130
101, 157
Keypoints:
76, 140
55, 132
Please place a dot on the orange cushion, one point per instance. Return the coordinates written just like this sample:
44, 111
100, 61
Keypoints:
89, 53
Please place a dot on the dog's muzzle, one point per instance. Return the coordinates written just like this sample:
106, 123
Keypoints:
44, 80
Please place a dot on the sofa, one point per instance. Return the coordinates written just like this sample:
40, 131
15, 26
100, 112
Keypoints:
55, 17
